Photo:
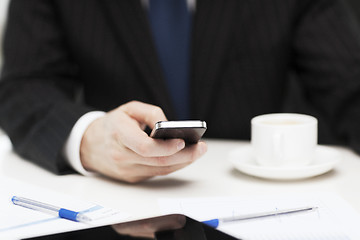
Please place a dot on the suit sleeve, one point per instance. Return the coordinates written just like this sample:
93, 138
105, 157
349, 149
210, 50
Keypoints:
39, 84
327, 61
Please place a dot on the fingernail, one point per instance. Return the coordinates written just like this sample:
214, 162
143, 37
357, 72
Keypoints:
180, 145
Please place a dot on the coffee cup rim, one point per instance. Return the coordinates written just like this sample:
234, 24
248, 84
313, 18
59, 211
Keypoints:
305, 119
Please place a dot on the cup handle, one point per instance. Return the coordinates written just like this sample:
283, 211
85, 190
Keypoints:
278, 148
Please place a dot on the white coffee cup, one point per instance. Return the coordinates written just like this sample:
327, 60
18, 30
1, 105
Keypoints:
284, 139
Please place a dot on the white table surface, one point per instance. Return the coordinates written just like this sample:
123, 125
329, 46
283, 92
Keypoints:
212, 175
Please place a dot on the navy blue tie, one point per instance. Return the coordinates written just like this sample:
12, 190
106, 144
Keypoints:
170, 21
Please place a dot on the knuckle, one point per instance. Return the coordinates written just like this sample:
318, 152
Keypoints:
156, 112
115, 135
114, 155
128, 105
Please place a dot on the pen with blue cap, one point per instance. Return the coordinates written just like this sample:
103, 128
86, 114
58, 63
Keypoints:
46, 208
217, 221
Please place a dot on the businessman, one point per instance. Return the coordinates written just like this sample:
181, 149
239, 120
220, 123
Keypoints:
82, 79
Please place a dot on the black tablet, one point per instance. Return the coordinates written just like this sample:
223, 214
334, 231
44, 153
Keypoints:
167, 227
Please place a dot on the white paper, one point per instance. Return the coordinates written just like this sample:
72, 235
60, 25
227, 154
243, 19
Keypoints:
334, 219
19, 222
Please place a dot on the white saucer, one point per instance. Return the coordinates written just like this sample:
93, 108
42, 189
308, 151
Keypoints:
325, 160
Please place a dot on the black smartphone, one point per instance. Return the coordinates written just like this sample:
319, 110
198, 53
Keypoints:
189, 130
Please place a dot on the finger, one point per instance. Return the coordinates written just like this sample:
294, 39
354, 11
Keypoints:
130, 135
185, 156
144, 113
138, 141
127, 166
150, 171
137, 172
145, 146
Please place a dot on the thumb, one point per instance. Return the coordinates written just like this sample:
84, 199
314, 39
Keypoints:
144, 113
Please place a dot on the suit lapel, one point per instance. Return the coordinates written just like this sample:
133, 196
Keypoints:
129, 21
212, 29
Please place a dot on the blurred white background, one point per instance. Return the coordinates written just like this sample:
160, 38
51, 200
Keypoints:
3, 8
3, 11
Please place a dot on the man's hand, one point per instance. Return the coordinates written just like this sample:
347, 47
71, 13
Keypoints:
117, 146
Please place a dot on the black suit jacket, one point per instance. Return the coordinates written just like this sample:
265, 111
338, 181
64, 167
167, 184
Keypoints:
242, 54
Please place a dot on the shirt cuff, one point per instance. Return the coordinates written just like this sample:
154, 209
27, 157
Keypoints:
71, 150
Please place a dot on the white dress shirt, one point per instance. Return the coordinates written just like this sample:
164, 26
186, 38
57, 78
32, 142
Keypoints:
71, 150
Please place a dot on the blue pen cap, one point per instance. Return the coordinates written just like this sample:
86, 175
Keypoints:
212, 223
67, 214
